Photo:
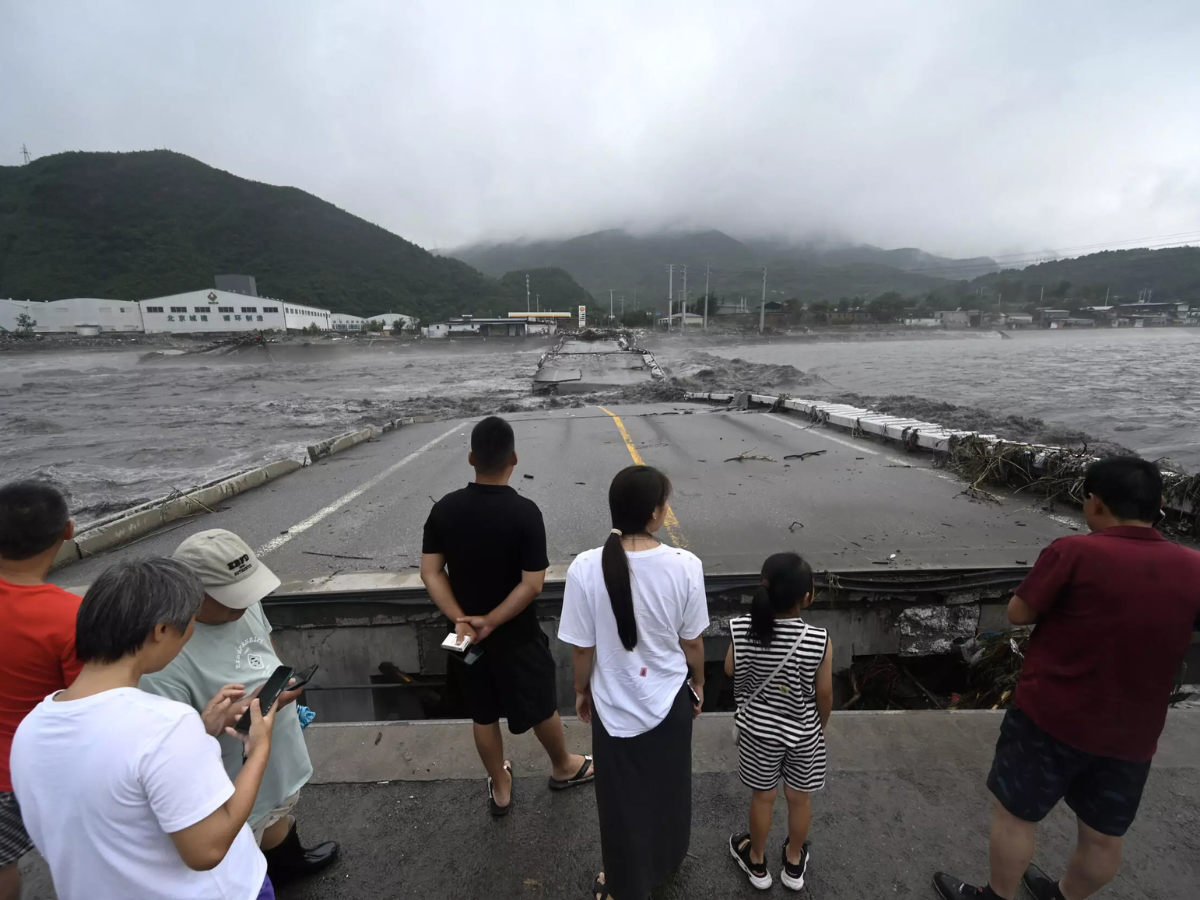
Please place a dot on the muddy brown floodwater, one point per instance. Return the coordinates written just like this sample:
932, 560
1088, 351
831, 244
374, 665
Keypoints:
115, 427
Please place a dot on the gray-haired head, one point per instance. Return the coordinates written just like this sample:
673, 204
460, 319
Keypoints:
128, 600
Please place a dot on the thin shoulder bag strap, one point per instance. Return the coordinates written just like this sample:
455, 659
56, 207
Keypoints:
779, 668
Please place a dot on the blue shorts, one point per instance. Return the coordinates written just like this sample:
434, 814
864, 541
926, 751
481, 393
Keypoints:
1032, 771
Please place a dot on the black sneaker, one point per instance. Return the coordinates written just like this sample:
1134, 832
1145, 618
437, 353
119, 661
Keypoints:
950, 888
793, 876
739, 849
1040, 884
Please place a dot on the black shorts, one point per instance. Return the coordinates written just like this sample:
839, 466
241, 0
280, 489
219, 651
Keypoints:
1032, 771
514, 681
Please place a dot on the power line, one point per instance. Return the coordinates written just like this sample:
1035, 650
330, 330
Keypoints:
670, 292
706, 293
762, 307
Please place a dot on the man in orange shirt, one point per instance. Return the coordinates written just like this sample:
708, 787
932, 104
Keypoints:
37, 637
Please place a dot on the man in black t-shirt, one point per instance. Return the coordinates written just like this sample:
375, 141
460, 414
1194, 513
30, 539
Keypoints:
494, 543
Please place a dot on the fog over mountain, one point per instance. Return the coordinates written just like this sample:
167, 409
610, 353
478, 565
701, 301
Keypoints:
980, 129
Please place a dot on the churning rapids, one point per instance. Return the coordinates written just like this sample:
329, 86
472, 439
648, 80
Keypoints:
115, 427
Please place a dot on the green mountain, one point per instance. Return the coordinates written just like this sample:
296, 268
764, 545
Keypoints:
141, 225
906, 259
549, 289
635, 266
1172, 273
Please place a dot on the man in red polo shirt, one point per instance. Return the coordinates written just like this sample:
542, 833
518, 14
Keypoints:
37, 637
1115, 611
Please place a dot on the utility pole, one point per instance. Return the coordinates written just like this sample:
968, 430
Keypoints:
762, 307
610, 308
706, 293
539, 302
1106, 290
635, 300
24, 155
685, 297
1042, 296
622, 308
528, 307
670, 293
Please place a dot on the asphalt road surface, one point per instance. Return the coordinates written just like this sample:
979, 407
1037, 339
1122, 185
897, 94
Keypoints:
852, 505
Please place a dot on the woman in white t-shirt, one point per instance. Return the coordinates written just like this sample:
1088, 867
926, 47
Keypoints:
635, 612
123, 792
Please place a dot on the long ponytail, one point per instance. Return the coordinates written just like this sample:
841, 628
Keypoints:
633, 497
786, 579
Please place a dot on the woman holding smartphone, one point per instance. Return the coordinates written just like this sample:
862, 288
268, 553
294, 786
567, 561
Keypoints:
124, 792
635, 611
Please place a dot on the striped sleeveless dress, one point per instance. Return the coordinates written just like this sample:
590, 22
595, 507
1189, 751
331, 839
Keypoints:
780, 728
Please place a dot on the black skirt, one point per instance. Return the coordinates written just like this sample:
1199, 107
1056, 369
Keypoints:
644, 798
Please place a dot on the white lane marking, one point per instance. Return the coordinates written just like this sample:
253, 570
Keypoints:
858, 445
816, 432
276, 542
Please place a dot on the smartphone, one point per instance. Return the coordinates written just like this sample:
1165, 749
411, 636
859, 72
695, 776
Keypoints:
692, 691
267, 696
303, 677
452, 642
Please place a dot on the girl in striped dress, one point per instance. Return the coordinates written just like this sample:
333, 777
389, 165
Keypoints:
782, 672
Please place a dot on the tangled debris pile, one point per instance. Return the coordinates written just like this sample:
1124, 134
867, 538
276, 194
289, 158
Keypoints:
983, 675
995, 662
1057, 474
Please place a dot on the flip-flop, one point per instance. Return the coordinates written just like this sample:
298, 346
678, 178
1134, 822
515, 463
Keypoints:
600, 889
583, 776
496, 809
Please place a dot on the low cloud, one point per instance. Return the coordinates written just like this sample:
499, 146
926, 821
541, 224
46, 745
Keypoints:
986, 128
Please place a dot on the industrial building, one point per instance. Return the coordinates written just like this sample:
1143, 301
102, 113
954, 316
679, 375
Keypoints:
206, 312
344, 322
544, 322
389, 320
81, 315
464, 326
218, 312
237, 284
232, 306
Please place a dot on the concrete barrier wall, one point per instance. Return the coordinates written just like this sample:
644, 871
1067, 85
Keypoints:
338, 443
122, 530
912, 434
140, 520
354, 650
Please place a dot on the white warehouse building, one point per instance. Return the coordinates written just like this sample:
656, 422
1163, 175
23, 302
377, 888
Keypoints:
86, 315
344, 322
208, 311
213, 311
389, 320
299, 317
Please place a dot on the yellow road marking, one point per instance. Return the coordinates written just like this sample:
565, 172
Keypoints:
671, 523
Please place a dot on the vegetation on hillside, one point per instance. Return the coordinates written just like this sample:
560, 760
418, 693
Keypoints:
633, 266
550, 289
141, 225
1172, 273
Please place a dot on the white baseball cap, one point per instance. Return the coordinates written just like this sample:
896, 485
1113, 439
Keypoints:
228, 568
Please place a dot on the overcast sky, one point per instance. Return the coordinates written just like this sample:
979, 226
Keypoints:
959, 127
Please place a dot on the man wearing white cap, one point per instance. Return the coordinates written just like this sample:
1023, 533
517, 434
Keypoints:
232, 645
